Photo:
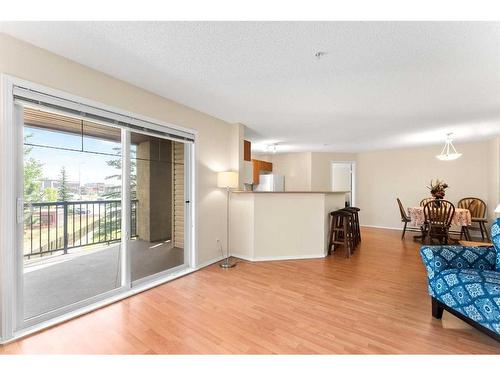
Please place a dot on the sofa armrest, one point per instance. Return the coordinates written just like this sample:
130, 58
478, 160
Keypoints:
440, 258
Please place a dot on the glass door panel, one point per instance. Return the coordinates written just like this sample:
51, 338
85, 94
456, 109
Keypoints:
72, 211
157, 197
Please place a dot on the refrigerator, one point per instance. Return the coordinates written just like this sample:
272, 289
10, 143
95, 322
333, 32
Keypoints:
271, 182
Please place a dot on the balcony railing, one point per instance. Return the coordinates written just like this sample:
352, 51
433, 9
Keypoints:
56, 227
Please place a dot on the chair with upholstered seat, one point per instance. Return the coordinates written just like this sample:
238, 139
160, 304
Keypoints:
465, 281
478, 209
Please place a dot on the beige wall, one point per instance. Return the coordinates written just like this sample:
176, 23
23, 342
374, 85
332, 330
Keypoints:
494, 176
296, 167
236, 151
321, 168
306, 171
262, 157
382, 176
214, 152
266, 226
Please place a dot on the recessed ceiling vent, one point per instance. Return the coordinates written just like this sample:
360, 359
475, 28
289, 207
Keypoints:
320, 54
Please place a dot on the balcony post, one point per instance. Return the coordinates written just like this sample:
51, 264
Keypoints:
65, 231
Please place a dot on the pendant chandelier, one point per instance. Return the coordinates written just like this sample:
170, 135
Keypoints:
448, 152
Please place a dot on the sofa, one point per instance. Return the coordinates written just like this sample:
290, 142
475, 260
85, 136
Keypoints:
465, 281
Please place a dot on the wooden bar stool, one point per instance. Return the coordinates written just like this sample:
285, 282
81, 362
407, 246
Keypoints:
351, 226
357, 232
341, 231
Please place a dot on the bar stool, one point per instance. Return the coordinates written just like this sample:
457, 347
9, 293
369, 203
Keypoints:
352, 227
355, 211
341, 231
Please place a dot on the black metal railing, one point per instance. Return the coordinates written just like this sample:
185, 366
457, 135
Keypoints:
54, 227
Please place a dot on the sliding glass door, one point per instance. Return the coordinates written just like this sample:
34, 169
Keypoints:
72, 211
103, 208
157, 193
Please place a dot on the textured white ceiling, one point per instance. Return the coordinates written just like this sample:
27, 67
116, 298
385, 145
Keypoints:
381, 85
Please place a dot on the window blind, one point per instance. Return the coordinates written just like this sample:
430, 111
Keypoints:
60, 105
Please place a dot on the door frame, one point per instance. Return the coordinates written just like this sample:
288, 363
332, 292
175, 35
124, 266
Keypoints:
353, 177
10, 173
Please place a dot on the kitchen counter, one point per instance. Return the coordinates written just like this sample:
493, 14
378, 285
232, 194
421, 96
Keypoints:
289, 192
281, 225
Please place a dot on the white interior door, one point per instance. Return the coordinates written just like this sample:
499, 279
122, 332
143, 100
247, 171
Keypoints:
341, 177
343, 174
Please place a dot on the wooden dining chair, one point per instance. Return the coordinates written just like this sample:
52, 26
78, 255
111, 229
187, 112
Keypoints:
438, 215
424, 201
478, 209
404, 217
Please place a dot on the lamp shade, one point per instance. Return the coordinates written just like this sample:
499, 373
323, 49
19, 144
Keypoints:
227, 180
497, 210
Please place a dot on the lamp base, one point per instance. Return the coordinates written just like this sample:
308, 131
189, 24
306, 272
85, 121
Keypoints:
226, 264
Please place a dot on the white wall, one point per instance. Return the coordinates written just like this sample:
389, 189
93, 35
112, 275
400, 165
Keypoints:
214, 150
385, 175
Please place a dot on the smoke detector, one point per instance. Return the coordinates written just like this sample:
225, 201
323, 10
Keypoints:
320, 54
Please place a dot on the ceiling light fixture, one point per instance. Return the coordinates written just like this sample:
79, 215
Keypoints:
448, 152
272, 148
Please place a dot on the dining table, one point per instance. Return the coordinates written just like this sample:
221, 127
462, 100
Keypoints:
462, 218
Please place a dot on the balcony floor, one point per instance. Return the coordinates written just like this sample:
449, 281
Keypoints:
71, 278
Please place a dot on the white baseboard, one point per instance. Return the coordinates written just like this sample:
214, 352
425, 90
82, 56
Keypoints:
244, 257
382, 227
281, 257
259, 259
413, 229
209, 262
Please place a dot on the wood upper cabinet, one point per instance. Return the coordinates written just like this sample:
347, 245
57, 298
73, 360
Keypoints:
247, 151
258, 166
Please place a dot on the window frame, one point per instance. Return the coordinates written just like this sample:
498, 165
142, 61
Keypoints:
11, 164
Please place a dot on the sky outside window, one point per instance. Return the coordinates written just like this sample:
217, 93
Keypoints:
86, 167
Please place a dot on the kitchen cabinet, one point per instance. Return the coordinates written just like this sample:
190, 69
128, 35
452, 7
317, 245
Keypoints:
258, 167
247, 151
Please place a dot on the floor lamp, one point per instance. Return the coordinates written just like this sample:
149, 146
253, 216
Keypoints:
228, 181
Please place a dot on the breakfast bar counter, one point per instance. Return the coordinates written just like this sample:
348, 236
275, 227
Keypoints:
281, 225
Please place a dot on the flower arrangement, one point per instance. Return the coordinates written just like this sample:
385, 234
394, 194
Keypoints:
438, 189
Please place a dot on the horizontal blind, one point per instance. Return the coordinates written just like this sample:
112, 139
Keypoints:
178, 193
38, 99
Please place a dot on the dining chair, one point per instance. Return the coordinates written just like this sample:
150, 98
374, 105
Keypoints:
438, 215
424, 201
404, 217
478, 209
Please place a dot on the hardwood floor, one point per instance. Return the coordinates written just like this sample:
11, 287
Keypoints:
374, 302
